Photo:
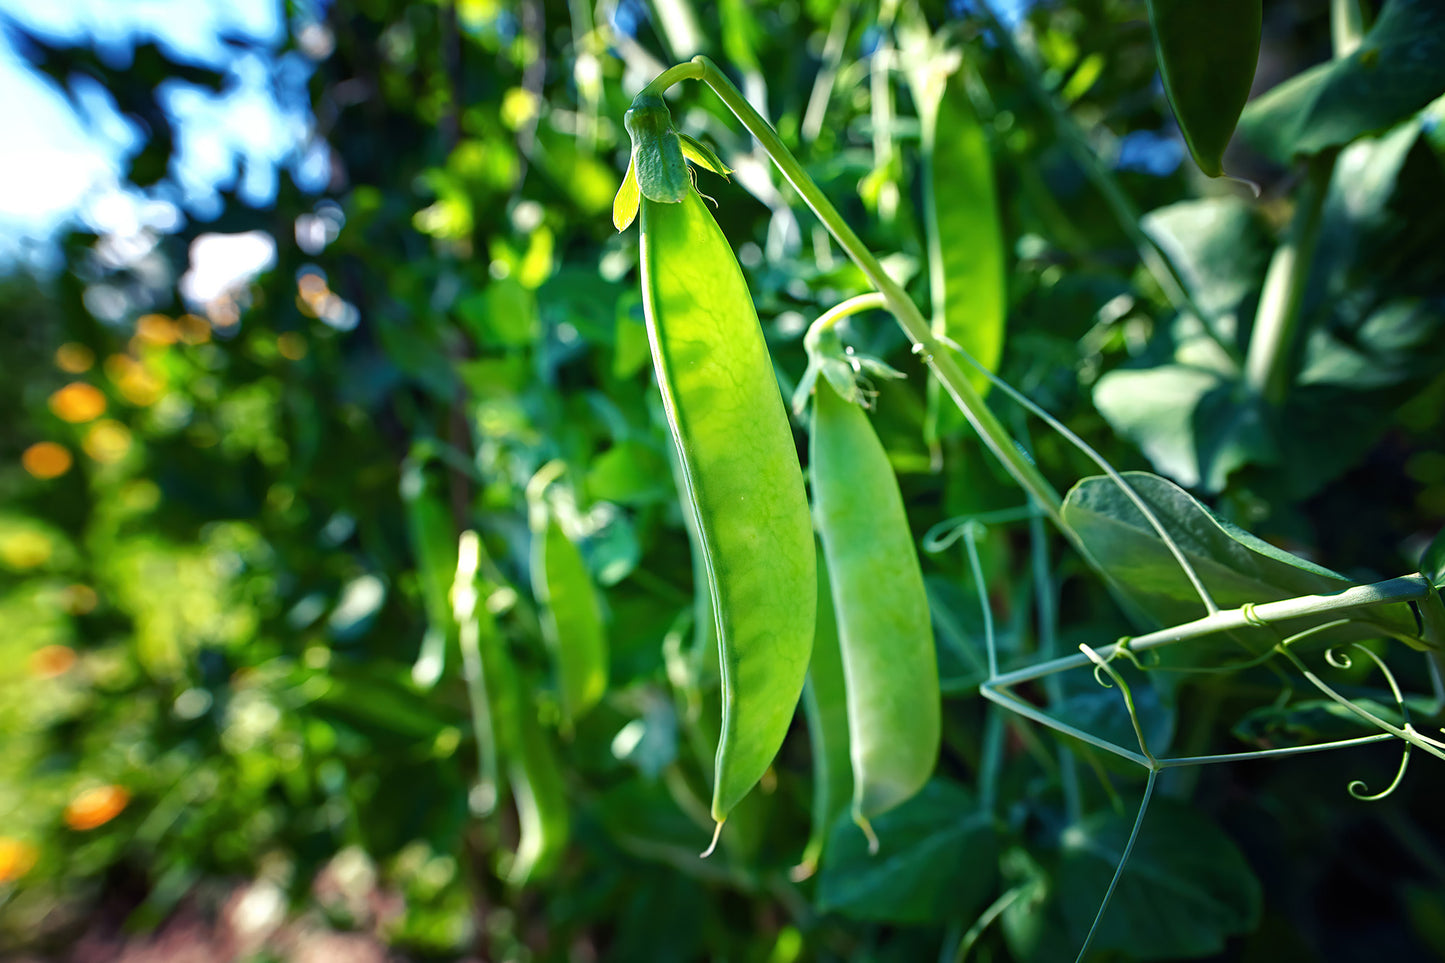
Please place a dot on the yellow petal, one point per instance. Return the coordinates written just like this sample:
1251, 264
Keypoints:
624, 205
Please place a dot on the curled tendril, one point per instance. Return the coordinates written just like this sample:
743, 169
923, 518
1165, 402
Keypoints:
1251, 617
1122, 649
1338, 659
950, 530
1360, 791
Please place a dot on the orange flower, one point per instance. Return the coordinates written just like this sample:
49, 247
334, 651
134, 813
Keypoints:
96, 807
46, 459
49, 661
78, 402
16, 858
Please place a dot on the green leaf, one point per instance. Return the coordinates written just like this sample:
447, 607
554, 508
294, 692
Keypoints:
1235, 566
1221, 247
630, 473
1207, 54
1187, 887
1312, 720
503, 315
936, 861
1196, 424
1432, 562
1397, 70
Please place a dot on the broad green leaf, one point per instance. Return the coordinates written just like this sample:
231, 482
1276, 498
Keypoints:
1397, 70
1186, 890
1235, 566
630, 473
504, 315
936, 861
1432, 562
1221, 247
1207, 53
1313, 720
1196, 424
1369, 349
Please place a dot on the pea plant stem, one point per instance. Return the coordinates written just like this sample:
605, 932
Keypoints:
909, 318
1268, 364
1408, 588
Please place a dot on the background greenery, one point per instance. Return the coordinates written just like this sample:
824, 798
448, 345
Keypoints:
215, 603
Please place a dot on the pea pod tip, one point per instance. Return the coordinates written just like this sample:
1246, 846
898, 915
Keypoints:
716, 835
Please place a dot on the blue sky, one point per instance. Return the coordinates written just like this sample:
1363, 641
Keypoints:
65, 160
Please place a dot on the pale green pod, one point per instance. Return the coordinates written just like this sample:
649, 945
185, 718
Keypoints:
884, 628
743, 483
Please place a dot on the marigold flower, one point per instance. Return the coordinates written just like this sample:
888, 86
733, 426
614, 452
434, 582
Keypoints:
49, 661
16, 858
46, 459
96, 807
78, 402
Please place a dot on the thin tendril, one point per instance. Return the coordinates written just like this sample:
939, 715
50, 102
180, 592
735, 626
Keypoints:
1123, 861
972, 531
1359, 790
1100, 663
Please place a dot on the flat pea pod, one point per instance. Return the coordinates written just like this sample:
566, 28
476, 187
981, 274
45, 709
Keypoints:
966, 255
572, 627
825, 706
434, 542
1207, 52
742, 481
884, 631
541, 797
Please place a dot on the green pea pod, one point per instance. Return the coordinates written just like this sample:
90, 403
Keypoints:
571, 618
966, 275
434, 542
1207, 54
541, 798
743, 483
825, 706
884, 630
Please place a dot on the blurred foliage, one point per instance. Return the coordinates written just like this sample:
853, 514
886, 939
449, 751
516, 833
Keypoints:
225, 650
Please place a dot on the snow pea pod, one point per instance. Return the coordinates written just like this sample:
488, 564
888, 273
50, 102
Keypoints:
825, 705
434, 541
741, 478
1207, 54
571, 617
541, 796
884, 632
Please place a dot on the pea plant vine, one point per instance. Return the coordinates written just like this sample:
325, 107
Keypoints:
846, 626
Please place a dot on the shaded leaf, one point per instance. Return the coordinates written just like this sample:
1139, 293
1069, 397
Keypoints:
935, 861
1187, 887
1397, 70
